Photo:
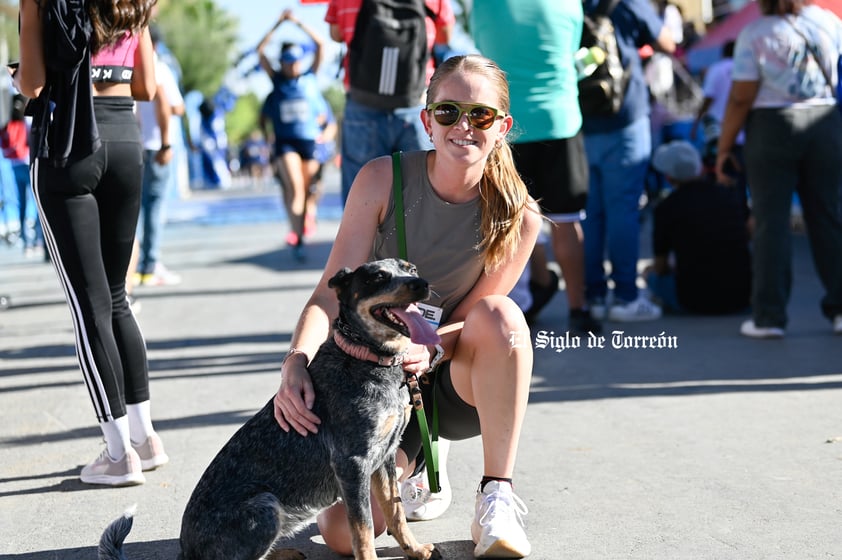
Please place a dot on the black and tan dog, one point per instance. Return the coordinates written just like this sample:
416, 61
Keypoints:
266, 484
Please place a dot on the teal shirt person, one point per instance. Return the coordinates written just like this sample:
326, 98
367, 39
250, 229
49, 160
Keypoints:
537, 56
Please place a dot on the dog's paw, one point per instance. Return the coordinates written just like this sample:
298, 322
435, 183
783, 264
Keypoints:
285, 554
424, 552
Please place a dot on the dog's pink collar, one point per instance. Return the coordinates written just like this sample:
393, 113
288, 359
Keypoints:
361, 352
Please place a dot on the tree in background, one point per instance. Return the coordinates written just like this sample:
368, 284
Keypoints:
9, 28
203, 37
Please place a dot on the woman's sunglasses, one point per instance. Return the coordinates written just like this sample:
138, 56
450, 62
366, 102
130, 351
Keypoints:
448, 113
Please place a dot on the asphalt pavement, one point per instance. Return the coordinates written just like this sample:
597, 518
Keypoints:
712, 446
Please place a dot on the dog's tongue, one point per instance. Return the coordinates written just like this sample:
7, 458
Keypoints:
420, 331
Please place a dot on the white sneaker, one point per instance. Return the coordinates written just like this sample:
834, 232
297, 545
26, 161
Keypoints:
162, 276
748, 328
498, 526
640, 309
837, 324
419, 503
125, 471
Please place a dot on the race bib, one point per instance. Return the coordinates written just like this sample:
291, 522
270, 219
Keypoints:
294, 110
431, 313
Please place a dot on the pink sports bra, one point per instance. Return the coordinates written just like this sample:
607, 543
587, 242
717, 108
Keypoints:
115, 63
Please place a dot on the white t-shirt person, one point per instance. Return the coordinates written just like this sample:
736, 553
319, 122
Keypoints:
790, 74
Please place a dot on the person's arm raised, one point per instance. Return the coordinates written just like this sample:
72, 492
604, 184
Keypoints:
318, 42
264, 41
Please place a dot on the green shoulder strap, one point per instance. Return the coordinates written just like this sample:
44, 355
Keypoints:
430, 444
397, 186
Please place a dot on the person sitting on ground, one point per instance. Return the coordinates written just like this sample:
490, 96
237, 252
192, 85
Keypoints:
470, 227
702, 226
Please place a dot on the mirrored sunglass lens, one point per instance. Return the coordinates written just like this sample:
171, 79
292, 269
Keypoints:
482, 117
446, 115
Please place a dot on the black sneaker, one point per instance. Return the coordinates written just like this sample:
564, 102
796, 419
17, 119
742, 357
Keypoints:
581, 322
541, 296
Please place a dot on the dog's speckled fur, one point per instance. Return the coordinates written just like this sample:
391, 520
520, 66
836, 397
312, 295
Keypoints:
266, 484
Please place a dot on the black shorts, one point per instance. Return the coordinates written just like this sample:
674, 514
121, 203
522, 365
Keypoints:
556, 173
304, 148
457, 419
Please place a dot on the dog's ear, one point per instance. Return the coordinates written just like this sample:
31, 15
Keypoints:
341, 278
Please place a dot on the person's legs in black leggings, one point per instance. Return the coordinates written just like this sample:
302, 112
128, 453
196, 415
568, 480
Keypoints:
89, 211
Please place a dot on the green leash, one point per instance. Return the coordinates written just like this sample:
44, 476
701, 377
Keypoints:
430, 443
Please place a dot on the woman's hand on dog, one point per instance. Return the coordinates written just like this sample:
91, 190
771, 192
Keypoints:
417, 358
294, 399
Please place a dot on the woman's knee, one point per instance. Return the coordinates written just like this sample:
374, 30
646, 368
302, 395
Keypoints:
494, 320
494, 347
336, 531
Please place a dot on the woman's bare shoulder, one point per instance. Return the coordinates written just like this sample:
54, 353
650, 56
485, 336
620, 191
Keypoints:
375, 177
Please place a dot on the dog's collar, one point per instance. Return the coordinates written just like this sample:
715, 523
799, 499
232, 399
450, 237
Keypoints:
361, 352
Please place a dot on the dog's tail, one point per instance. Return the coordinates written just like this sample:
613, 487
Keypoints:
111, 542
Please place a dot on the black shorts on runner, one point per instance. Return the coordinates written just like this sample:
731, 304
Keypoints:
305, 148
556, 173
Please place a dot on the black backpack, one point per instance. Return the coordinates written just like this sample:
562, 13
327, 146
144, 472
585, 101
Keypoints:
388, 55
602, 92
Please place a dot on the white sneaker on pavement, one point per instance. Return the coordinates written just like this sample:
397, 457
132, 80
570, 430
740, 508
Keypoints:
419, 503
498, 526
640, 309
162, 276
748, 328
837, 324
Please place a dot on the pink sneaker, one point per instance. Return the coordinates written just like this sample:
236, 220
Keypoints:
125, 471
309, 225
151, 453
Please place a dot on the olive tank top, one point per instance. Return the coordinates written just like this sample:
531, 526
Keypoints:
441, 237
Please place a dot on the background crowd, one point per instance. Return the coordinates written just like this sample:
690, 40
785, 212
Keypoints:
679, 78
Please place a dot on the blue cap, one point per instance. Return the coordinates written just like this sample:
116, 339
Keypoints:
292, 54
